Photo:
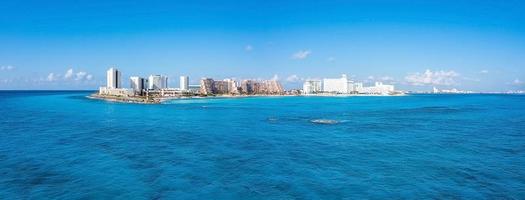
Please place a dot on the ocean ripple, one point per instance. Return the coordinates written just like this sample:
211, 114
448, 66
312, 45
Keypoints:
324, 121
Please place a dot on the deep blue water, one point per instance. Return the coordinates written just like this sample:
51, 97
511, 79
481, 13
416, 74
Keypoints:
65, 146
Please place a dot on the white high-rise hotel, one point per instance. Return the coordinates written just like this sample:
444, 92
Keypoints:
157, 82
138, 84
114, 84
113, 79
338, 85
312, 86
141, 86
184, 85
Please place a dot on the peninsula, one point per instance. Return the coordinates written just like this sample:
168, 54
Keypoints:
154, 89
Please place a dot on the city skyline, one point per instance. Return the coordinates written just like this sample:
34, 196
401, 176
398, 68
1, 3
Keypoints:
474, 45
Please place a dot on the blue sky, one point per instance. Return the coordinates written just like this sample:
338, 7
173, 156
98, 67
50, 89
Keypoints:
472, 45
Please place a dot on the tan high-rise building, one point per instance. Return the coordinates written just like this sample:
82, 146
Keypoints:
248, 87
210, 86
206, 86
273, 87
264, 87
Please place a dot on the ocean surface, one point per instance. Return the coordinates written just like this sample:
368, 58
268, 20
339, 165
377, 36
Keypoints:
62, 145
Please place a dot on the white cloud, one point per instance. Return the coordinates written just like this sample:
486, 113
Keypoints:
69, 74
80, 76
387, 79
330, 59
517, 82
300, 55
52, 77
6, 68
484, 71
248, 48
275, 77
293, 78
432, 78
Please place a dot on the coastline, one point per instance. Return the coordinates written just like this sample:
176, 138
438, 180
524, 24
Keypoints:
160, 100
123, 99
352, 95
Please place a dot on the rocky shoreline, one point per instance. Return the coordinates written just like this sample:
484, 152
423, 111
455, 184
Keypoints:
123, 99
159, 100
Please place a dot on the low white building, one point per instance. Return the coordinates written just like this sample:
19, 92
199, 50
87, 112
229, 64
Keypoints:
168, 92
116, 91
312, 86
194, 88
378, 88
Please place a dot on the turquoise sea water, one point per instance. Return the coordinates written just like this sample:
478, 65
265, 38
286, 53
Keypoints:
62, 145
